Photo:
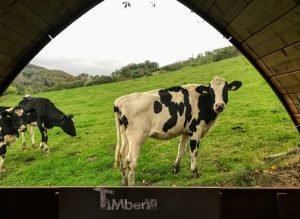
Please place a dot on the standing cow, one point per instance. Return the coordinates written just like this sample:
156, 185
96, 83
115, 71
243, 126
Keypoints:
12, 121
45, 116
189, 111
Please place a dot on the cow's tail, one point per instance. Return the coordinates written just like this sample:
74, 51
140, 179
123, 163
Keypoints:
118, 146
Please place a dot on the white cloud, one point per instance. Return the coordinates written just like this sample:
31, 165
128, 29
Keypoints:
110, 36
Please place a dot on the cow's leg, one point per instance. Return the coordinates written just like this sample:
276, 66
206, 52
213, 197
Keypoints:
135, 140
23, 140
43, 145
31, 132
123, 157
2, 156
184, 139
194, 146
2, 168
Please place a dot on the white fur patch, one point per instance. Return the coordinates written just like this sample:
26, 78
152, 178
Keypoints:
1, 164
177, 97
33, 124
217, 84
9, 110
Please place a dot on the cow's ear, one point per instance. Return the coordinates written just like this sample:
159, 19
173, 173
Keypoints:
235, 85
67, 117
202, 89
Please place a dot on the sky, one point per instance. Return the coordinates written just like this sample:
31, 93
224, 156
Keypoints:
110, 36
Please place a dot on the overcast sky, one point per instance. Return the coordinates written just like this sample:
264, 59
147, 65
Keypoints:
110, 36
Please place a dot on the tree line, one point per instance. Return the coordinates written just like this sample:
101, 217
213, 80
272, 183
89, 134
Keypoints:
36, 79
203, 58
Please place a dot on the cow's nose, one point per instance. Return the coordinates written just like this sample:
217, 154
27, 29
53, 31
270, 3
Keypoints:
23, 128
219, 107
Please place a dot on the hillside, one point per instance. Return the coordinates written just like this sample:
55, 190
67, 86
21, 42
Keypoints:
253, 125
35, 79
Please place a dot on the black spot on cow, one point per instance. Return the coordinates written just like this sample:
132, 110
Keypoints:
116, 109
170, 123
120, 122
175, 108
157, 107
175, 89
124, 121
187, 105
181, 108
225, 93
193, 145
165, 97
3, 150
205, 104
194, 123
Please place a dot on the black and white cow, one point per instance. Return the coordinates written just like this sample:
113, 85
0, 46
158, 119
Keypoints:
45, 116
12, 121
188, 111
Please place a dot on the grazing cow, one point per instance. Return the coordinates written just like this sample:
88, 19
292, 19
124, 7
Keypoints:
45, 116
188, 111
12, 121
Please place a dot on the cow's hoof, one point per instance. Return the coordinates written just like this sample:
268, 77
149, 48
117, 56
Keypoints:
124, 182
175, 169
23, 146
41, 146
34, 145
195, 174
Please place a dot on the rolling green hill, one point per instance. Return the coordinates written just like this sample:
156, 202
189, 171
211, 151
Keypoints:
253, 126
34, 78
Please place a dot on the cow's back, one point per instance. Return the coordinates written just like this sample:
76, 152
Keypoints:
42, 105
135, 102
46, 111
162, 113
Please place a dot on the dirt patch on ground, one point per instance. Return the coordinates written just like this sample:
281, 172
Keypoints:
287, 174
92, 159
75, 154
280, 172
29, 159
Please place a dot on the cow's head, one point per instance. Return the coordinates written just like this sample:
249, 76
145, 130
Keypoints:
14, 119
218, 92
68, 126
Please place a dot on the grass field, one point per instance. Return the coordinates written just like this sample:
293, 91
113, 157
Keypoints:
253, 126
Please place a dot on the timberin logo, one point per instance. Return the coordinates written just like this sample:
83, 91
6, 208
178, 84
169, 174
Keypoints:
123, 204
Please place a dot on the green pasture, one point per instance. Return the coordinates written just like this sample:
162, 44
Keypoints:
254, 125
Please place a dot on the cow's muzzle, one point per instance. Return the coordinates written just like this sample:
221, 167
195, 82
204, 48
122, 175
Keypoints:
219, 107
23, 128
